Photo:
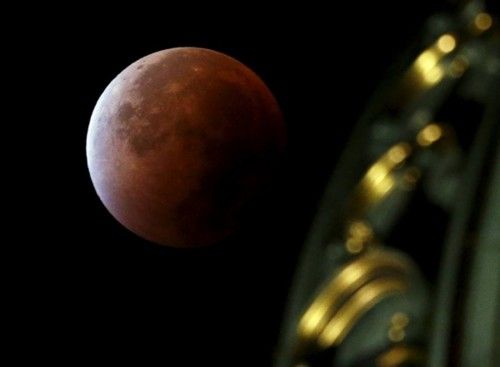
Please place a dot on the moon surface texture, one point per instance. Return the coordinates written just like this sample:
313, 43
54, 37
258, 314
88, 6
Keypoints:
180, 143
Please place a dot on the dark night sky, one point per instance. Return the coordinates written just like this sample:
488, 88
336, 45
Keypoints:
124, 297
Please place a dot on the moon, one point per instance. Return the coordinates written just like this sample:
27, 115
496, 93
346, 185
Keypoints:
180, 143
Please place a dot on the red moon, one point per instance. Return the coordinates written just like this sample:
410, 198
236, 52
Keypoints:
180, 142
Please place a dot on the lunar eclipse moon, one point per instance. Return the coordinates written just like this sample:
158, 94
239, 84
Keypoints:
180, 143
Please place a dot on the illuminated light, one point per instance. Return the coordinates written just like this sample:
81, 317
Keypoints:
379, 180
400, 355
400, 320
446, 43
429, 135
399, 153
433, 76
396, 335
483, 22
427, 70
459, 66
354, 245
359, 235
426, 61
377, 183
360, 230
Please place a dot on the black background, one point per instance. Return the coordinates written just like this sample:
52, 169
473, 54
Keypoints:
120, 297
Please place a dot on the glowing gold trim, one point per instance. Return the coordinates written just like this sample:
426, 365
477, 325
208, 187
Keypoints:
398, 355
396, 335
364, 299
359, 235
429, 135
344, 286
483, 22
379, 180
446, 43
427, 69
400, 320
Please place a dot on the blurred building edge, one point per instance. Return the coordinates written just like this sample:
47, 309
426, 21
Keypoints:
420, 175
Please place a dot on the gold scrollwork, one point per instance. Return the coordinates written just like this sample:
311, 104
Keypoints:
354, 290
